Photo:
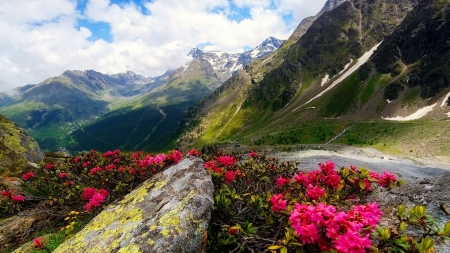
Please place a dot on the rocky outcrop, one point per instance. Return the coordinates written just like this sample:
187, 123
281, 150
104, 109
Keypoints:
421, 42
433, 193
13, 228
168, 213
16, 147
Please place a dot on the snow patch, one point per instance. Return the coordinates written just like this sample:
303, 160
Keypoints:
325, 80
417, 115
445, 99
360, 62
389, 101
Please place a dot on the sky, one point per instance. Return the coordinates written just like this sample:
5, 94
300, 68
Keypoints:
43, 38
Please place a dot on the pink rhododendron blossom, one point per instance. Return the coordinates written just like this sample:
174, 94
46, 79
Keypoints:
77, 159
39, 242
229, 176
308, 233
50, 166
302, 178
327, 168
332, 180
367, 215
351, 242
374, 175
159, 159
194, 152
27, 176
85, 164
103, 192
253, 154
176, 156
88, 193
278, 203
97, 199
387, 179
69, 183
110, 167
6, 193
282, 181
17, 198
314, 192
226, 160
63, 175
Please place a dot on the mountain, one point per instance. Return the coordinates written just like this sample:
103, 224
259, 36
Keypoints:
57, 106
149, 121
307, 22
359, 69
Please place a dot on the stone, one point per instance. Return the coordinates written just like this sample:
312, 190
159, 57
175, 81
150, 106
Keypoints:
13, 228
432, 193
168, 213
16, 147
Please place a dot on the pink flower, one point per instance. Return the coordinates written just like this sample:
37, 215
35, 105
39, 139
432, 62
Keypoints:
120, 169
302, 178
176, 156
27, 176
278, 203
226, 160
6, 193
85, 164
103, 192
17, 198
76, 159
387, 180
50, 166
97, 199
63, 175
159, 159
308, 233
282, 181
252, 154
332, 180
88, 193
314, 192
39, 242
209, 165
229, 176
374, 175
327, 168
194, 152
351, 242
69, 183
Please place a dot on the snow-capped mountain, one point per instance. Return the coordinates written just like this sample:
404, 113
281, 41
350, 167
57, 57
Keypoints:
225, 65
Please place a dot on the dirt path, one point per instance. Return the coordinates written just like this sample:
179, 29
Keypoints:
409, 169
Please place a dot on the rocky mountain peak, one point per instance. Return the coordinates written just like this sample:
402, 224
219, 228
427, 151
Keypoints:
195, 52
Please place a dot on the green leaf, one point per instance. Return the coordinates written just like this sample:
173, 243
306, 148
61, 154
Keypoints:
447, 228
283, 250
362, 184
403, 226
401, 210
274, 247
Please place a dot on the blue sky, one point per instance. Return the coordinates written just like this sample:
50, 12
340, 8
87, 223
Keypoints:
40, 40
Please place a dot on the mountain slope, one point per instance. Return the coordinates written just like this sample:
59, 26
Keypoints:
57, 106
149, 122
277, 94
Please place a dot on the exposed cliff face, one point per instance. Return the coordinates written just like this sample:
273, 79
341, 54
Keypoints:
16, 147
421, 47
307, 22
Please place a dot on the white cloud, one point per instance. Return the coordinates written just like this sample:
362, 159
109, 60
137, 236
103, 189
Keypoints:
40, 40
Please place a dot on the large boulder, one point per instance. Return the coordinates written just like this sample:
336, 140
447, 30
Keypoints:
432, 193
16, 147
168, 213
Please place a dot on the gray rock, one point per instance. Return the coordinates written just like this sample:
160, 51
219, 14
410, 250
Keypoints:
13, 228
432, 193
168, 213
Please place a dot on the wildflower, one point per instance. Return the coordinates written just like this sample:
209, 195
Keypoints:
17, 198
63, 175
332, 180
278, 203
6, 193
314, 192
327, 168
176, 156
77, 159
226, 160
27, 176
88, 193
232, 231
103, 192
282, 181
374, 175
110, 167
308, 233
117, 160
351, 242
69, 183
159, 159
229, 176
194, 152
39, 242
97, 199
302, 178
387, 179
85, 164
50, 166
252, 154
209, 165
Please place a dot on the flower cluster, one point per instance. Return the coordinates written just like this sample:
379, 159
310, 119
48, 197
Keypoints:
9, 194
95, 197
341, 231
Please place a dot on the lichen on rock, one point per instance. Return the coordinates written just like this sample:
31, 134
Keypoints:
168, 213
16, 147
